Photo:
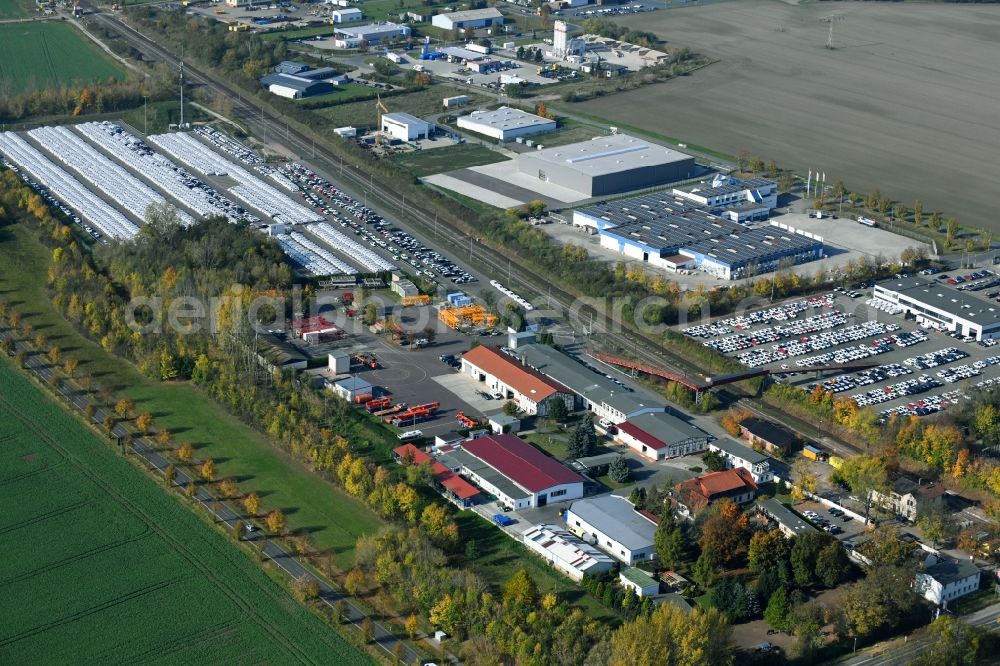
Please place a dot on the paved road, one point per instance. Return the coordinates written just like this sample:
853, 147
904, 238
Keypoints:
904, 653
220, 511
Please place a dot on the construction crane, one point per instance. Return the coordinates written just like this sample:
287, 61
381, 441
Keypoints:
831, 19
381, 108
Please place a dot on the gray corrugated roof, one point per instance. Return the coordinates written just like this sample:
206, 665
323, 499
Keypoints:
666, 427
585, 382
615, 517
610, 154
736, 449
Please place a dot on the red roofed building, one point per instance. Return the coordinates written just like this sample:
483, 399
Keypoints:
661, 435
518, 474
453, 486
695, 495
316, 329
532, 391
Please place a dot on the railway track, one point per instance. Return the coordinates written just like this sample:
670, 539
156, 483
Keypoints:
389, 203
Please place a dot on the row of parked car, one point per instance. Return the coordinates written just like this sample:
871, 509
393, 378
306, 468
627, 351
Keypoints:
349, 212
824, 340
920, 384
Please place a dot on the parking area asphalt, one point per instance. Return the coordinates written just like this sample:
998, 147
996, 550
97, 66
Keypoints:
834, 521
915, 370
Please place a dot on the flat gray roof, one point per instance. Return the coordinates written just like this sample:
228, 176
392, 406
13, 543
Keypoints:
471, 14
585, 382
609, 154
460, 458
960, 304
506, 118
782, 514
750, 245
615, 517
734, 448
373, 29
405, 119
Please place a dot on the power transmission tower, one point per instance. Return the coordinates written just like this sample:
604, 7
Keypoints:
831, 19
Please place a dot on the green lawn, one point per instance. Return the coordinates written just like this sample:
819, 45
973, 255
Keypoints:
299, 33
500, 557
343, 94
437, 160
10, 9
418, 103
50, 54
334, 519
101, 566
159, 115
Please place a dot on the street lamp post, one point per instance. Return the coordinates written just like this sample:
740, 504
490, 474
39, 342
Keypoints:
145, 131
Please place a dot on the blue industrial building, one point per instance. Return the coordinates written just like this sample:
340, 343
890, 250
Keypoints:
670, 232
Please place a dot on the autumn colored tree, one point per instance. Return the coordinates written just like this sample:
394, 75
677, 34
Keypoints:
275, 521
732, 419
367, 629
863, 474
725, 533
251, 504
55, 354
208, 470
671, 637
190, 490
123, 408
169, 474
70, 365
229, 488
520, 590
412, 626
768, 550
144, 422
355, 582
185, 453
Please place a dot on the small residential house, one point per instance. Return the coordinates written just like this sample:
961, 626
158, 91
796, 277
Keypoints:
738, 456
693, 496
907, 497
943, 579
769, 436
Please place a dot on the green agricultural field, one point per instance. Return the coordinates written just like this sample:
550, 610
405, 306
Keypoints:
334, 519
100, 565
438, 160
419, 103
10, 9
47, 54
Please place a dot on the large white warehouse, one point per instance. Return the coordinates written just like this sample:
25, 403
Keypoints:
506, 123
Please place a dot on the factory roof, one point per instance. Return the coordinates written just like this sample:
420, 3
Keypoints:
610, 154
731, 187
523, 380
473, 14
660, 430
521, 462
563, 546
408, 454
295, 82
585, 382
947, 299
318, 74
370, 29
457, 458
616, 518
354, 384
638, 577
290, 67
752, 245
506, 118
403, 118
462, 54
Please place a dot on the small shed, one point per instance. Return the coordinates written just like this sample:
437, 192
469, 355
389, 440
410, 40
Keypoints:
501, 423
641, 582
352, 388
339, 362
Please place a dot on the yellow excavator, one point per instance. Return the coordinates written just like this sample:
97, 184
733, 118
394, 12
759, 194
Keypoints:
380, 108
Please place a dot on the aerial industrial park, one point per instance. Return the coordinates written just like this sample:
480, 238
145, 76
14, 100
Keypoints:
360, 332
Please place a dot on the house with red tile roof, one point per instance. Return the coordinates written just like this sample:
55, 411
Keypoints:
695, 495
533, 392
517, 474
